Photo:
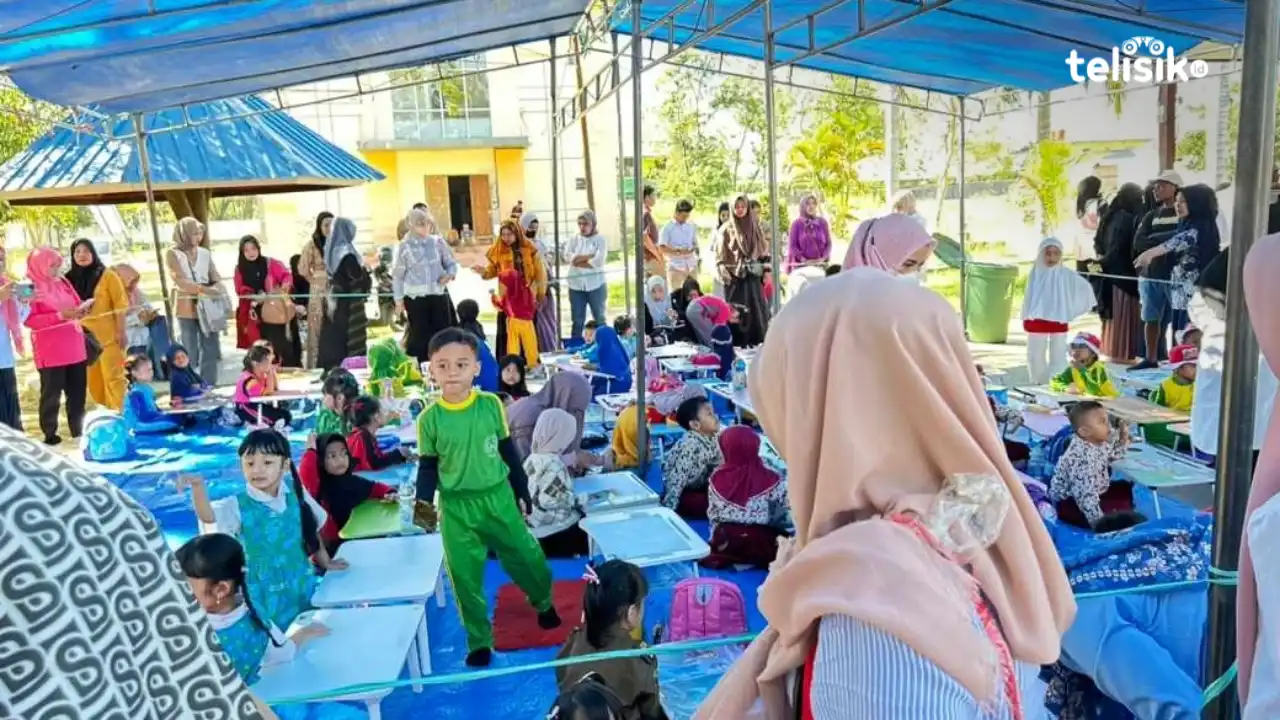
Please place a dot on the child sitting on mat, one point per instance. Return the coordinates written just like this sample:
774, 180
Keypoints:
367, 418
469, 318
1189, 335
626, 335
589, 351
141, 413
511, 377
338, 392
467, 455
687, 467
612, 362
587, 699
1176, 391
747, 504
276, 522
1086, 374
326, 472
184, 383
1081, 485
258, 380
553, 515
624, 449
215, 569
613, 619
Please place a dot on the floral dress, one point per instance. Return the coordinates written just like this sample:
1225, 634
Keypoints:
1186, 266
311, 266
688, 466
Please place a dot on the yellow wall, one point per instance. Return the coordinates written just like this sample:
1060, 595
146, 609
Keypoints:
406, 172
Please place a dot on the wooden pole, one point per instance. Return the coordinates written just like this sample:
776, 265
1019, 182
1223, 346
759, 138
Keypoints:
582, 123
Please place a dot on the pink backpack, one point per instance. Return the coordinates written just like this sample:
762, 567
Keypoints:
705, 608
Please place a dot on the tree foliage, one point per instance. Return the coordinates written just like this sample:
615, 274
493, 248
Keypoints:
19, 127
743, 100
695, 162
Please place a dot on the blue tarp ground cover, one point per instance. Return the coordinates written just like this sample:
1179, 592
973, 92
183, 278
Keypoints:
241, 146
124, 57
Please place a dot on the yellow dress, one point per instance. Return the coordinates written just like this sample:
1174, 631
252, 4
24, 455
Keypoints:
107, 384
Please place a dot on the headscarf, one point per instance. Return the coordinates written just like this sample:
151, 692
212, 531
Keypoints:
519, 389
253, 273
626, 437
1056, 294
919, 441
419, 218
338, 494
684, 295
810, 237
1201, 218
44, 270
612, 358
1214, 276
555, 432
317, 235
886, 242
587, 215
185, 232
705, 314
658, 309
487, 380
1262, 297
342, 242
528, 219
744, 242
301, 285
85, 279
743, 475
129, 277
188, 372
566, 391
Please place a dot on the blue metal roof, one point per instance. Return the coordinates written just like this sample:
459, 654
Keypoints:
235, 147
131, 55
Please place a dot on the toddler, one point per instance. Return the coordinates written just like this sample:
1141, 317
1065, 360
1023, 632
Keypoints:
215, 569
327, 474
687, 467
1086, 374
511, 377
1081, 485
626, 335
517, 301
367, 418
338, 392
1176, 391
257, 381
141, 413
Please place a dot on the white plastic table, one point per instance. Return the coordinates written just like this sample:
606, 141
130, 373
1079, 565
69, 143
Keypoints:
407, 434
1160, 469
683, 366
1044, 424
741, 399
644, 537
609, 492
365, 645
615, 403
385, 571
674, 350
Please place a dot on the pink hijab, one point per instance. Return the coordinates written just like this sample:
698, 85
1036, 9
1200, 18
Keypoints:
44, 270
1262, 296
921, 417
885, 242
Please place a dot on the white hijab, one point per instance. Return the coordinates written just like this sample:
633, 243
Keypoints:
1058, 293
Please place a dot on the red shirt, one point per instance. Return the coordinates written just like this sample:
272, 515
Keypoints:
309, 473
365, 455
1046, 327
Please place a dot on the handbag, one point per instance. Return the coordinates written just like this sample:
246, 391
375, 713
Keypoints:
92, 348
276, 310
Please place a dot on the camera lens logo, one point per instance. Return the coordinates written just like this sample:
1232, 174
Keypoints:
1141, 59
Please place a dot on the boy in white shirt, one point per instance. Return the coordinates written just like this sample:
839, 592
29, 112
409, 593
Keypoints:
679, 246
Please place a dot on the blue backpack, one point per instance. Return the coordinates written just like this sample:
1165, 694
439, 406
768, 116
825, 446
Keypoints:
106, 437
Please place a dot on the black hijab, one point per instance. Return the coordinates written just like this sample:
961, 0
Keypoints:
519, 389
253, 273
85, 279
338, 494
301, 285
1214, 275
1202, 213
317, 236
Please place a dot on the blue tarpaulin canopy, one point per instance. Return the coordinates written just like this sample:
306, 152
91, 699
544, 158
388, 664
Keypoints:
140, 55
257, 150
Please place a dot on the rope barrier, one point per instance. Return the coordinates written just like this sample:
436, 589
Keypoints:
1217, 577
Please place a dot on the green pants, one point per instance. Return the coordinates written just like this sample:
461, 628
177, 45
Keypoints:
470, 526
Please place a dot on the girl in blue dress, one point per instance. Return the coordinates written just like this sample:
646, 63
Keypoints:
276, 522
141, 413
215, 569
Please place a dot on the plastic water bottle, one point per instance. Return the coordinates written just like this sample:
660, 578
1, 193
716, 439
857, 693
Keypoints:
407, 496
739, 374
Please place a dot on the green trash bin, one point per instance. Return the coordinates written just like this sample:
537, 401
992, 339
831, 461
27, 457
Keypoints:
988, 300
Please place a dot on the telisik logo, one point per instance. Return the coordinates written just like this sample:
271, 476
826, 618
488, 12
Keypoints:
1128, 64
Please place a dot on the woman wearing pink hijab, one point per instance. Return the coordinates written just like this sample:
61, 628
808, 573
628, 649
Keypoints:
1258, 598
57, 342
894, 243
913, 532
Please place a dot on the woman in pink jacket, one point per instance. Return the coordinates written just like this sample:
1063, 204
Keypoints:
57, 343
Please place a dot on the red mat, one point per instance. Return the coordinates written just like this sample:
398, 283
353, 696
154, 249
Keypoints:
515, 622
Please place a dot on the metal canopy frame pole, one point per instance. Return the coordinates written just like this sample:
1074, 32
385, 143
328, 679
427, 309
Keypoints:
1239, 379
964, 258
637, 146
555, 186
771, 131
144, 159
622, 196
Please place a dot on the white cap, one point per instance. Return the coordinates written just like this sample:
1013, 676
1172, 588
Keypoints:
1170, 177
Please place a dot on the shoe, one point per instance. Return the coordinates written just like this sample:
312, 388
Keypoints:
549, 619
53, 440
479, 658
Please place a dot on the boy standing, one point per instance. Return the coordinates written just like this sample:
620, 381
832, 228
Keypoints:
467, 454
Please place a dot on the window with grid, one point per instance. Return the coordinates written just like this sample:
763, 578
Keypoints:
449, 109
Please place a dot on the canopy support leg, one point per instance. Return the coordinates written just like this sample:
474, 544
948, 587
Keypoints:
144, 159
637, 149
771, 140
1254, 160
555, 189
964, 255
622, 196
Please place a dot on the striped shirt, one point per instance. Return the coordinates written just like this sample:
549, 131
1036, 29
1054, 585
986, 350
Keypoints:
864, 672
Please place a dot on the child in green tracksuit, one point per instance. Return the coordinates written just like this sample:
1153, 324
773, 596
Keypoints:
467, 455
339, 391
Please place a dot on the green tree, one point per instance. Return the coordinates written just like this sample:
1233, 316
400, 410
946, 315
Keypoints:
849, 130
695, 163
21, 122
1192, 149
743, 99
18, 129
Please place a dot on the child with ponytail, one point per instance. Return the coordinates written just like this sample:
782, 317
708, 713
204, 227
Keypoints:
277, 523
215, 569
613, 615
367, 418
141, 413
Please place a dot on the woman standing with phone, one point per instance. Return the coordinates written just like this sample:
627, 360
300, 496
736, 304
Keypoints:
13, 311
57, 342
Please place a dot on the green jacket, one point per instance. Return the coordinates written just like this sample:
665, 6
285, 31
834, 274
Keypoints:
1093, 381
